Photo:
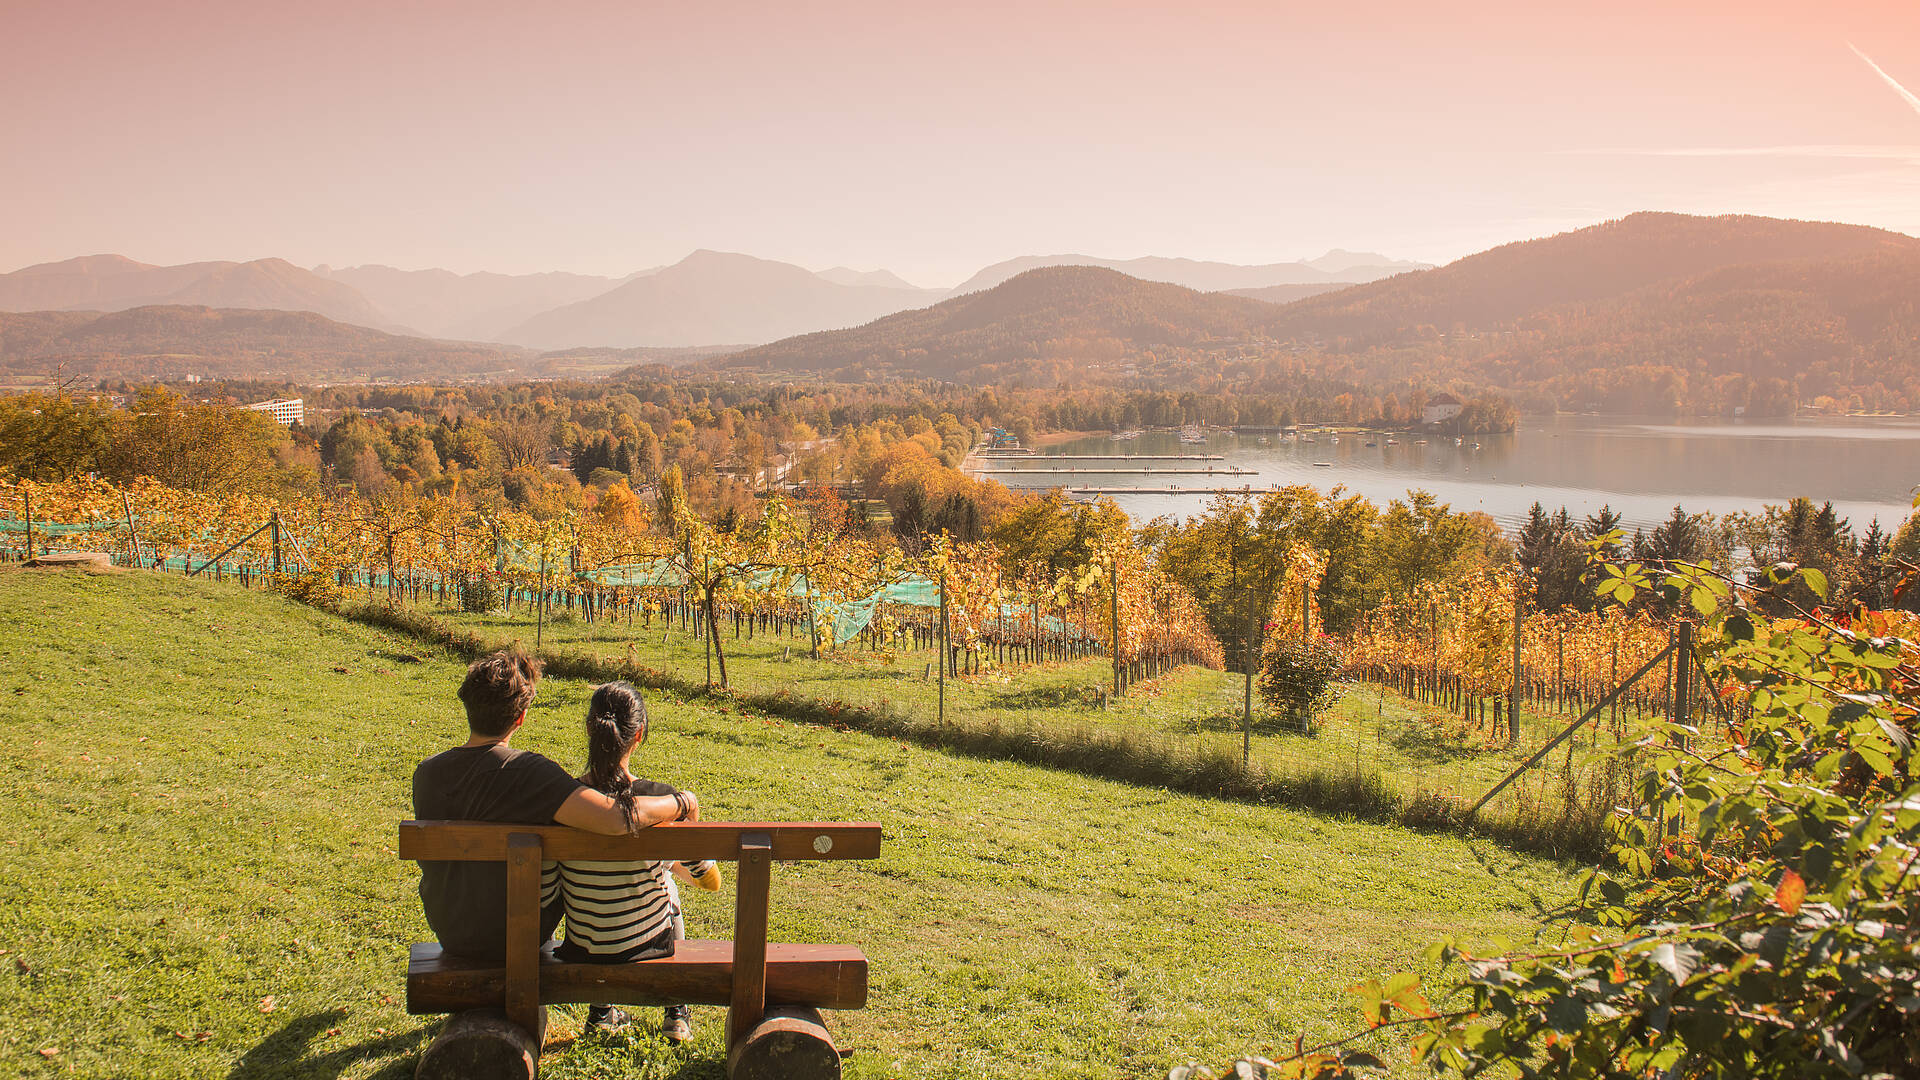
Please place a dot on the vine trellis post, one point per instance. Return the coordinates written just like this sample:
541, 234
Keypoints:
1113, 588
1513, 689
944, 651
133, 534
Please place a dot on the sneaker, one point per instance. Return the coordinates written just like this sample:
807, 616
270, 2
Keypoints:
606, 1019
678, 1024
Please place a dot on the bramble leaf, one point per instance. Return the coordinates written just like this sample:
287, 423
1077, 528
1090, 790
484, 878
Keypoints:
1790, 892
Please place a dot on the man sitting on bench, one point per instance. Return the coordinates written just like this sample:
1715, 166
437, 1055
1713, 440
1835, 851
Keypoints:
484, 779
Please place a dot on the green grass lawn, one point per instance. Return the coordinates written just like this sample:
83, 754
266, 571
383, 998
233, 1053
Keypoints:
1415, 748
201, 880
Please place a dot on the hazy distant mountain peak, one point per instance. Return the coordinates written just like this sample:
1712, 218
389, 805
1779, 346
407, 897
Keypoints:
711, 297
876, 279
1340, 261
117, 283
84, 264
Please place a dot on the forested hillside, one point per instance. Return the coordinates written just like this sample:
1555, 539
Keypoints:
1037, 329
1518, 280
1838, 332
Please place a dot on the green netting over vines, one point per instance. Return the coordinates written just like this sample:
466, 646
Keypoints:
843, 620
657, 574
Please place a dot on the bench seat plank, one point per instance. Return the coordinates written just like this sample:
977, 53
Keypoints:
698, 973
691, 841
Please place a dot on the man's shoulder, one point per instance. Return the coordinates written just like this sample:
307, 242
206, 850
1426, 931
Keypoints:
644, 787
512, 758
492, 755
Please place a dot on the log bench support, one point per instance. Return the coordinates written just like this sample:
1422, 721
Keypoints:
773, 993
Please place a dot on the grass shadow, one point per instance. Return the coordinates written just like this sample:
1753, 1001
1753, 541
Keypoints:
1231, 723
1044, 697
290, 1052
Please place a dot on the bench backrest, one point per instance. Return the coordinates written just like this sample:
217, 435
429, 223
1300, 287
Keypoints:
755, 845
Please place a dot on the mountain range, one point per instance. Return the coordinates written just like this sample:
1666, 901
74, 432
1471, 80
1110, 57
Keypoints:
1648, 313
708, 298
116, 283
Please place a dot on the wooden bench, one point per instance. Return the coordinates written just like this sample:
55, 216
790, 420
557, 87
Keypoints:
773, 992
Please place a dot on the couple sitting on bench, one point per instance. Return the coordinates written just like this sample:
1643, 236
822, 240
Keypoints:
616, 912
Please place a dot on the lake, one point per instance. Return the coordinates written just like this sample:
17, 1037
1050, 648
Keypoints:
1642, 468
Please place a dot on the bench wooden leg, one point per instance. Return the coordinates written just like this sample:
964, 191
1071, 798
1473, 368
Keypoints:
787, 1044
482, 1044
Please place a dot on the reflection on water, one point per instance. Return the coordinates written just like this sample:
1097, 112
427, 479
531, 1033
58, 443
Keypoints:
1869, 468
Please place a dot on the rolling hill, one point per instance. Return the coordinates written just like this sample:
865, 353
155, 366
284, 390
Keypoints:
1031, 328
116, 283
296, 346
1334, 268
711, 297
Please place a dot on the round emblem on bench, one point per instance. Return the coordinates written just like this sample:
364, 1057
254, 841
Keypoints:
823, 843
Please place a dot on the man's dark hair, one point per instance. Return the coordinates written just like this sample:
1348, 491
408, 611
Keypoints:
497, 689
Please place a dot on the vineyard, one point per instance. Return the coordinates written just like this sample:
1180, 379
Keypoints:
964, 636
775, 575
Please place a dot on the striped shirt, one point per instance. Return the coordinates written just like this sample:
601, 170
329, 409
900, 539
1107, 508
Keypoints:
616, 910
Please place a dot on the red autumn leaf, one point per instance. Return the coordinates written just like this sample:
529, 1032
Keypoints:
1790, 892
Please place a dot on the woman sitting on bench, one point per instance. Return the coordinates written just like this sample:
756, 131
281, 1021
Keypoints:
619, 912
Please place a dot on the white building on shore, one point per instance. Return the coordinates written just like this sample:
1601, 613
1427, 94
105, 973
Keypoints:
287, 411
1441, 407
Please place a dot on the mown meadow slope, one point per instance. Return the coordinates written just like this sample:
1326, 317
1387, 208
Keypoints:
202, 793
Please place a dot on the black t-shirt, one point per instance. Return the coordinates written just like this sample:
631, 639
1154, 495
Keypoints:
466, 902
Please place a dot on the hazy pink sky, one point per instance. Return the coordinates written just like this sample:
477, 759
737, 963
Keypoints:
929, 138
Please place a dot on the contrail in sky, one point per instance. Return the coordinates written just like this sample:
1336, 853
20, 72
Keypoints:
1912, 98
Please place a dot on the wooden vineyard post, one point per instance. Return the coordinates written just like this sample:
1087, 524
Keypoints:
1666, 690
943, 647
813, 627
1433, 676
275, 521
27, 497
1246, 715
1560, 669
540, 612
1615, 679
133, 533
1113, 589
1682, 679
1306, 612
1513, 691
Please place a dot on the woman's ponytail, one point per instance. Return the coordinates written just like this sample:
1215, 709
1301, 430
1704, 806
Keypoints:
616, 720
